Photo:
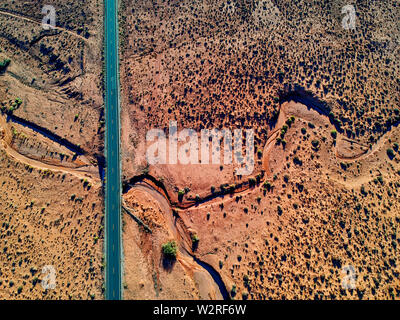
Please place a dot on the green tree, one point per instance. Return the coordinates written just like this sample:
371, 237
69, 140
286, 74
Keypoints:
170, 249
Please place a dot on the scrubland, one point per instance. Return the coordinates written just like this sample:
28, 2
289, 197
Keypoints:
323, 194
51, 130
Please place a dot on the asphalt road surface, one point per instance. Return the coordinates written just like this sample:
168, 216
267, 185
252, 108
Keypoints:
113, 173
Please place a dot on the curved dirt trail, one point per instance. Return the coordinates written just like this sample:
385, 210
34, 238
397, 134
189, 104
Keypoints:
84, 172
88, 172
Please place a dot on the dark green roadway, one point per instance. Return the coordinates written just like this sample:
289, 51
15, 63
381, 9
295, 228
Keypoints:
113, 173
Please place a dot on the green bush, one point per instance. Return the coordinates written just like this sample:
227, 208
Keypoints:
170, 249
195, 238
267, 185
181, 193
4, 64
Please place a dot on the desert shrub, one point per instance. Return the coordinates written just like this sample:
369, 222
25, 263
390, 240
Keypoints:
181, 193
363, 192
344, 166
334, 134
297, 161
290, 121
4, 64
170, 249
233, 291
252, 182
35, 280
315, 143
300, 187
195, 238
267, 185
390, 153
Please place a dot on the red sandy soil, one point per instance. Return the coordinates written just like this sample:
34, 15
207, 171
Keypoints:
51, 197
325, 200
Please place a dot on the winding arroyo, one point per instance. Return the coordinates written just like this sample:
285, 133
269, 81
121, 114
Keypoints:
295, 104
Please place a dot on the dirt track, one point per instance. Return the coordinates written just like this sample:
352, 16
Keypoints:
88, 172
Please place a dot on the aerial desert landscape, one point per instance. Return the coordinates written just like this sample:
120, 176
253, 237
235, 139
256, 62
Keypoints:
51, 150
323, 103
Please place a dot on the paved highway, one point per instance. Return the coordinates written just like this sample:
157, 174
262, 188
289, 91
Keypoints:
113, 173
